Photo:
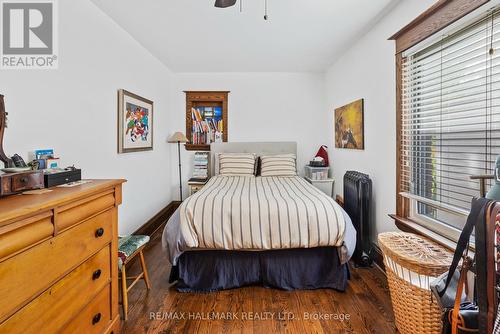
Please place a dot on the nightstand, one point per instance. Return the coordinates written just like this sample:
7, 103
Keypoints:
325, 185
195, 185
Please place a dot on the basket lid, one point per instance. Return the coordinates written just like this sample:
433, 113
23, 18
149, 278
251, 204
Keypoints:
415, 252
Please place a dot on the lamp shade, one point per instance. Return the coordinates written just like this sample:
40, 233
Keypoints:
177, 137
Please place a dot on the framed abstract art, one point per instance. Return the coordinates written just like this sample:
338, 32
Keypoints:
349, 126
135, 123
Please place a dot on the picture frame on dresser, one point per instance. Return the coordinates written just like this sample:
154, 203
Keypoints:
135, 122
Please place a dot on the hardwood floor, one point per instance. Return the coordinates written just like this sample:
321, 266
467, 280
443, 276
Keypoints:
164, 310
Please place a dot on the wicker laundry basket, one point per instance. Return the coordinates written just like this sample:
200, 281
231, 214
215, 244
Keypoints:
411, 263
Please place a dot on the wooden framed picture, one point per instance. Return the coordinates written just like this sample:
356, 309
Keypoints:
135, 123
349, 126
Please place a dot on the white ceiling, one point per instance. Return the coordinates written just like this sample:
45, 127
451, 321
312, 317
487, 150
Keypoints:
194, 36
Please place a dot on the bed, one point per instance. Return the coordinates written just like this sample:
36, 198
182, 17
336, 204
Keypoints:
276, 231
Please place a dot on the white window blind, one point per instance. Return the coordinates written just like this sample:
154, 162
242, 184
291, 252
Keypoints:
451, 114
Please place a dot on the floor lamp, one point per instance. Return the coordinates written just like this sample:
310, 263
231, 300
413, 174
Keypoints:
179, 138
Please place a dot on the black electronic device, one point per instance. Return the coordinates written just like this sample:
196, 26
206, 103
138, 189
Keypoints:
62, 177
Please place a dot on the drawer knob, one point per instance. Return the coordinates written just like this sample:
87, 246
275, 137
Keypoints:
24, 179
96, 274
96, 318
99, 232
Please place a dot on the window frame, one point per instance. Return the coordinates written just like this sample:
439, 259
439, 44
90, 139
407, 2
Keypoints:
438, 17
448, 231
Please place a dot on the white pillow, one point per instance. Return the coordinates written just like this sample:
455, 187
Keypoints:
237, 164
278, 165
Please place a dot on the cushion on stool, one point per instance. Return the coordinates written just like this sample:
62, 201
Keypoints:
128, 245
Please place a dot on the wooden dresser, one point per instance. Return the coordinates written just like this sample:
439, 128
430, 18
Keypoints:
58, 260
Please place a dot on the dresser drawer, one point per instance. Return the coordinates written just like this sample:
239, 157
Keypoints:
76, 212
64, 300
26, 181
94, 318
24, 276
25, 233
195, 188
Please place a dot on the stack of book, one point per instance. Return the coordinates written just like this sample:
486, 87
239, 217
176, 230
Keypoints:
205, 130
200, 170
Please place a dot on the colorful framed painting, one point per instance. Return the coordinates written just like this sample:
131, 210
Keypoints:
135, 123
349, 126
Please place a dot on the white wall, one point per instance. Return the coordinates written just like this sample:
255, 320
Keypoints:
74, 109
262, 107
367, 70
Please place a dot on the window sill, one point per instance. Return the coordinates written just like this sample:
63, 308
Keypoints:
407, 225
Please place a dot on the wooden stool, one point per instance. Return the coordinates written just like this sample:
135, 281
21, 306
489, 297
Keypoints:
128, 248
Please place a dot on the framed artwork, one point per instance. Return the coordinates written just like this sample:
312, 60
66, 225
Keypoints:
135, 123
349, 126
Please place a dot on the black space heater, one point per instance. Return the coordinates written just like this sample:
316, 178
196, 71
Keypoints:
357, 202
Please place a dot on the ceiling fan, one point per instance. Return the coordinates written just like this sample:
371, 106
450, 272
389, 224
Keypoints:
224, 3
230, 3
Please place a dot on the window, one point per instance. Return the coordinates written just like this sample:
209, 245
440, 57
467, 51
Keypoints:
450, 122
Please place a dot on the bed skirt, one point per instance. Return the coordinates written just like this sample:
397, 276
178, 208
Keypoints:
288, 269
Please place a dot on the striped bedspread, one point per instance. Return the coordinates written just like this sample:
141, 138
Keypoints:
258, 213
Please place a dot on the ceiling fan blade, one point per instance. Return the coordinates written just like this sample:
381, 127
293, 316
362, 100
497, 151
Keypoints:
224, 3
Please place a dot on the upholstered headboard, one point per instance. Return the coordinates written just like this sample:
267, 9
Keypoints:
264, 148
